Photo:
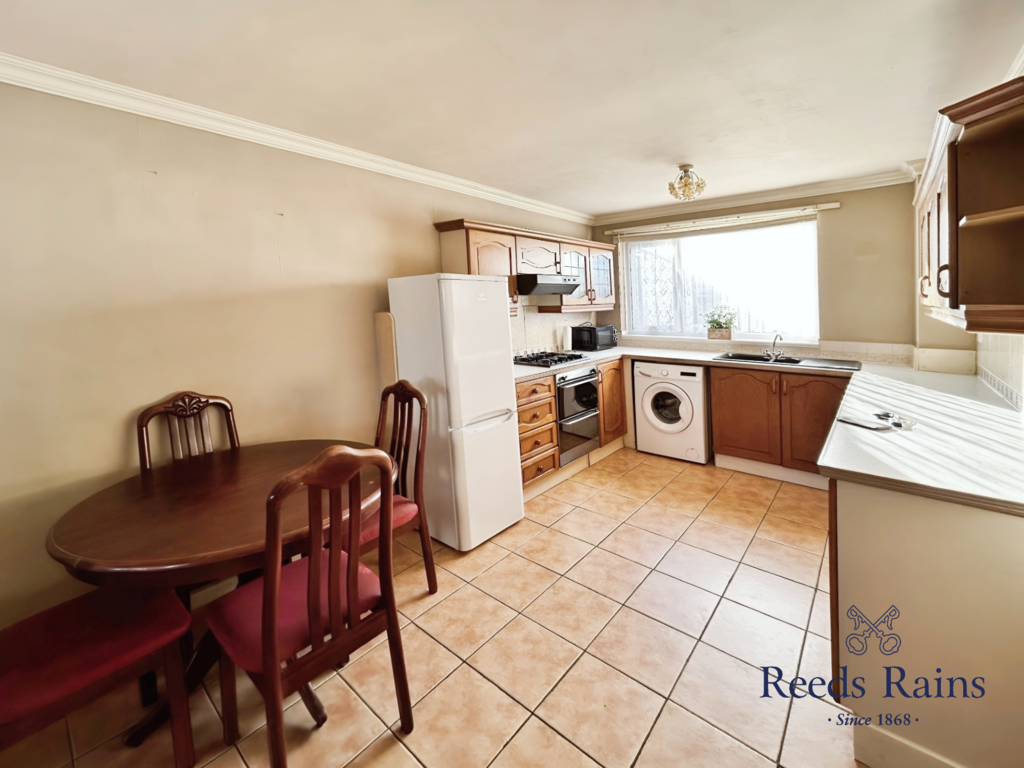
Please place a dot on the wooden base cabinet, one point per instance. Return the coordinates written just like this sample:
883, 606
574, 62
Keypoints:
538, 428
777, 418
611, 399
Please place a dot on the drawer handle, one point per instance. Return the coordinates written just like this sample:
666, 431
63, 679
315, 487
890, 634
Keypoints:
539, 470
536, 443
534, 391
536, 415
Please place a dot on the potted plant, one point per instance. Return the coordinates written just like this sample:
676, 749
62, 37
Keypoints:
720, 321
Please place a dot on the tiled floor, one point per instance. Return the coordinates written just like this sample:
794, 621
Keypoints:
621, 623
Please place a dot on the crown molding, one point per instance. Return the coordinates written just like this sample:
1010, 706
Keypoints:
24, 73
1017, 68
903, 176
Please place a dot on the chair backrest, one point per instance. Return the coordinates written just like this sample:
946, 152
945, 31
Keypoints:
188, 425
335, 468
399, 444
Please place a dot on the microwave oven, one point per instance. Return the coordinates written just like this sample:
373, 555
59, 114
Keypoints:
591, 338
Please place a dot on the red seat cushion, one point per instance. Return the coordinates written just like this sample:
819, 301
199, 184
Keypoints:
403, 511
237, 618
49, 656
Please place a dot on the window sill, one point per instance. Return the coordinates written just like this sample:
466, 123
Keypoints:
666, 339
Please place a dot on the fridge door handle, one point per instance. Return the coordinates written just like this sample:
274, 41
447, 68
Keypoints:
499, 418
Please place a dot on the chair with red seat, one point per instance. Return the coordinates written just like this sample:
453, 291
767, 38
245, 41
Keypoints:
71, 654
409, 512
269, 621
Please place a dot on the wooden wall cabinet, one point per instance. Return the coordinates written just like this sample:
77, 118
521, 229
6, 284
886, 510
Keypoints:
777, 418
479, 248
970, 213
611, 399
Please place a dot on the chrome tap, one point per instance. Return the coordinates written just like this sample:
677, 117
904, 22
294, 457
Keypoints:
772, 353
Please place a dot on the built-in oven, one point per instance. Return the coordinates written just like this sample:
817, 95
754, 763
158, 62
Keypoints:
578, 425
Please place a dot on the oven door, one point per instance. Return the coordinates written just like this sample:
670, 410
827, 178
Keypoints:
577, 436
576, 396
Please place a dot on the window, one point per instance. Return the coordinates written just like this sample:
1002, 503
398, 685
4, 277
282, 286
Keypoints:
768, 274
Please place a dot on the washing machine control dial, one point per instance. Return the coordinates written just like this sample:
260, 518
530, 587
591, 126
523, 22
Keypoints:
664, 372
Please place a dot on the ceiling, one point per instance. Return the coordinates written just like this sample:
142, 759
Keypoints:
585, 105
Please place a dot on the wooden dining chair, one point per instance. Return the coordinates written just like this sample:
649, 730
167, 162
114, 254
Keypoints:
69, 655
409, 510
188, 425
309, 603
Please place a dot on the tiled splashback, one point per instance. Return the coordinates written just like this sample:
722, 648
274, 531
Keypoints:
534, 330
1001, 365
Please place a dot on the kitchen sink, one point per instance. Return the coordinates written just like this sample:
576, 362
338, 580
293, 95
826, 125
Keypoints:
802, 362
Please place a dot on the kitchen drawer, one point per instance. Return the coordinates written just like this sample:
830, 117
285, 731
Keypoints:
538, 440
536, 468
531, 391
536, 415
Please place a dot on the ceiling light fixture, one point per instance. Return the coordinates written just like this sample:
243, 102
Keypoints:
687, 185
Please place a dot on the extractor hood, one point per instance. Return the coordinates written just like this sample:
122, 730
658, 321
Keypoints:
546, 285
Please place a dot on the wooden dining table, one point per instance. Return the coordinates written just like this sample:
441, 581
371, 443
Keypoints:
188, 523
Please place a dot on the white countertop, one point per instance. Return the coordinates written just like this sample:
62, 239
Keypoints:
967, 445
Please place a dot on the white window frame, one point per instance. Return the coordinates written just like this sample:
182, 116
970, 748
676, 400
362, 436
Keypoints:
621, 237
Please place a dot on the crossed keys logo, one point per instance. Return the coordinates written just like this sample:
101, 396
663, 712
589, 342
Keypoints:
888, 642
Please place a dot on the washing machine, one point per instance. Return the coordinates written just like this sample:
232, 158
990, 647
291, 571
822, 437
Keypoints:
670, 410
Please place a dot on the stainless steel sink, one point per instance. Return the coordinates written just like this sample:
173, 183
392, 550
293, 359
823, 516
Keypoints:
803, 362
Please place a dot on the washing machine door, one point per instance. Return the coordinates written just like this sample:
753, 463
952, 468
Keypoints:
667, 407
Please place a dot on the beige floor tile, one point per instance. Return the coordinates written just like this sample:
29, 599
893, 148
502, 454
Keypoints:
230, 759
49, 748
402, 559
574, 612
411, 592
611, 505
252, 711
588, 526
823, 578
642, 482
701, 480
698, 567
664, 462
679, 501
513, 537
637, 545
784, 561
411, 541
595, 477
659, 520
554, 550
465, 620
673, 602
606, 573
427, 663
682, 739
813, 739
538, 746
754, 637
730, 515
350, 728
646, 650
726, 692
816, 660
372, 643
601, 711
620, 462
727, 542
386, 752
821, 621
771, 594
801, 505
749, 491
525, 660
793, 534
463, 723
106, 717
515, 581
545, 510
157, 751
469, 565
571, 492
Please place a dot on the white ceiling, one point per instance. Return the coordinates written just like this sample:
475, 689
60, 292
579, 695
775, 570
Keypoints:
586, 105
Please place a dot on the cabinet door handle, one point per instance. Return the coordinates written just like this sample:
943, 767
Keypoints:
785, 387
775, 385
938, 281
921, 288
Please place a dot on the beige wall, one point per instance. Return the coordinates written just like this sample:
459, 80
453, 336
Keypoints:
865, 262
140, 258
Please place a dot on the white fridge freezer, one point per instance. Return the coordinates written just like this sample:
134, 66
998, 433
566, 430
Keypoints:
454, 344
